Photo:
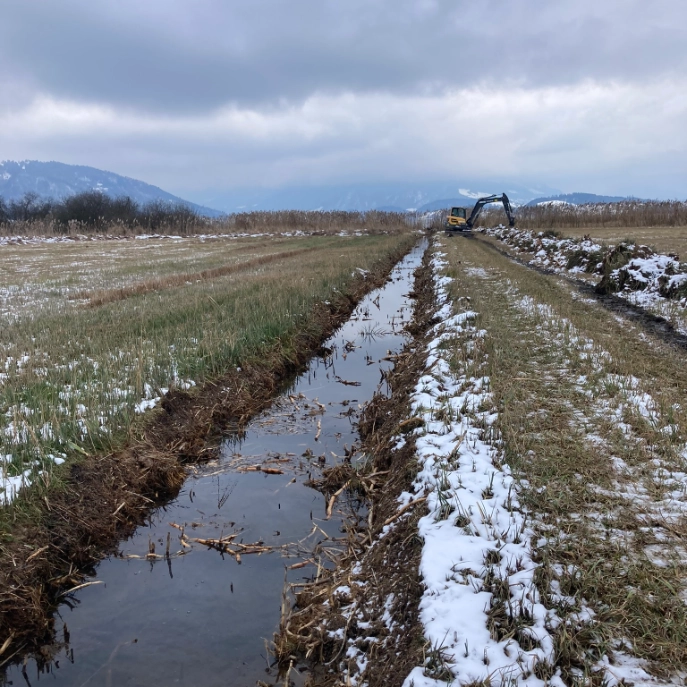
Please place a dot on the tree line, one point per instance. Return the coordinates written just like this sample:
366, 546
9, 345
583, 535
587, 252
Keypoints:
97, 211
93, 212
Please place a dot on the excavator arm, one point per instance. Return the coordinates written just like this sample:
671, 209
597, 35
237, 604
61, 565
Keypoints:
503, 198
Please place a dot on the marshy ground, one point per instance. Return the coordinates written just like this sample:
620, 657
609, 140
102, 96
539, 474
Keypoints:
210, 349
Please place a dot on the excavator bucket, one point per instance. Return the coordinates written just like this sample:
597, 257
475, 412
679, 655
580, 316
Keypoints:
503, 198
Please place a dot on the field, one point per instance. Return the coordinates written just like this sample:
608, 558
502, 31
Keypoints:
592, 418
95, 332
663, 239
525, 479
639, 265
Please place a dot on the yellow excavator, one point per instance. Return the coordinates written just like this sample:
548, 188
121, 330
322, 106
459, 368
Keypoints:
458, 219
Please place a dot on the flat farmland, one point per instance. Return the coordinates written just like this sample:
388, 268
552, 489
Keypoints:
662, 239
592, 421
96, 332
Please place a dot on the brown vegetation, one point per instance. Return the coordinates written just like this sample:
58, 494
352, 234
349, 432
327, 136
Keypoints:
663, 239
181, 222
631, 213
596, 472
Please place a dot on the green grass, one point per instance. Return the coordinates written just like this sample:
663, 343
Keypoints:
82, 370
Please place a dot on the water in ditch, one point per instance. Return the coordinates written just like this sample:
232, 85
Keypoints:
199, 617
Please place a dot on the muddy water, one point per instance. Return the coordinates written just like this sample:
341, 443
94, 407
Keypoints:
199, 617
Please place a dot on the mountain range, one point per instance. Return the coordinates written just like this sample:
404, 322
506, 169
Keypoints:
392, 196
578, 199
59, 180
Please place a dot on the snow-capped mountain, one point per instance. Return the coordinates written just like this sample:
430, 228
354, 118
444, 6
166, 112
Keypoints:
397, 197
58, 180
577, 199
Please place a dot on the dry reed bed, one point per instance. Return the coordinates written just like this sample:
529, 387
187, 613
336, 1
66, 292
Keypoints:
597, 219
263, 222
632, 213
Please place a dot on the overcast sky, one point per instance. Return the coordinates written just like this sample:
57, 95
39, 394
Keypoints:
201, 95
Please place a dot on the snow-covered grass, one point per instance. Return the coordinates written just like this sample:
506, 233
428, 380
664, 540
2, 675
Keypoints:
74, 377
663, 239
481, 611
590, 418
43, 275
628, 505
551, 251
71, 239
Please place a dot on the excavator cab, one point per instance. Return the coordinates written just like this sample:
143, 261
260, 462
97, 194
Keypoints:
457, 218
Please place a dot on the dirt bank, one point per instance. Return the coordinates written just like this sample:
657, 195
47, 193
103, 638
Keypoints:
376, 584
58, 538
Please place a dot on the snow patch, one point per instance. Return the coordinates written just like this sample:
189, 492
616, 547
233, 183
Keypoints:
474, 530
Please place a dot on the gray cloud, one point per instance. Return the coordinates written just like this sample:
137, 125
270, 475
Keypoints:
181, 56
197, 96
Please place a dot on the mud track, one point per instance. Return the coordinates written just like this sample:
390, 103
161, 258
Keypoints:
653, 324
375, 568
105, 497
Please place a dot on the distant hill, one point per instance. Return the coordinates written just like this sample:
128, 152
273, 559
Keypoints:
393, 196
58, 180
578, 199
